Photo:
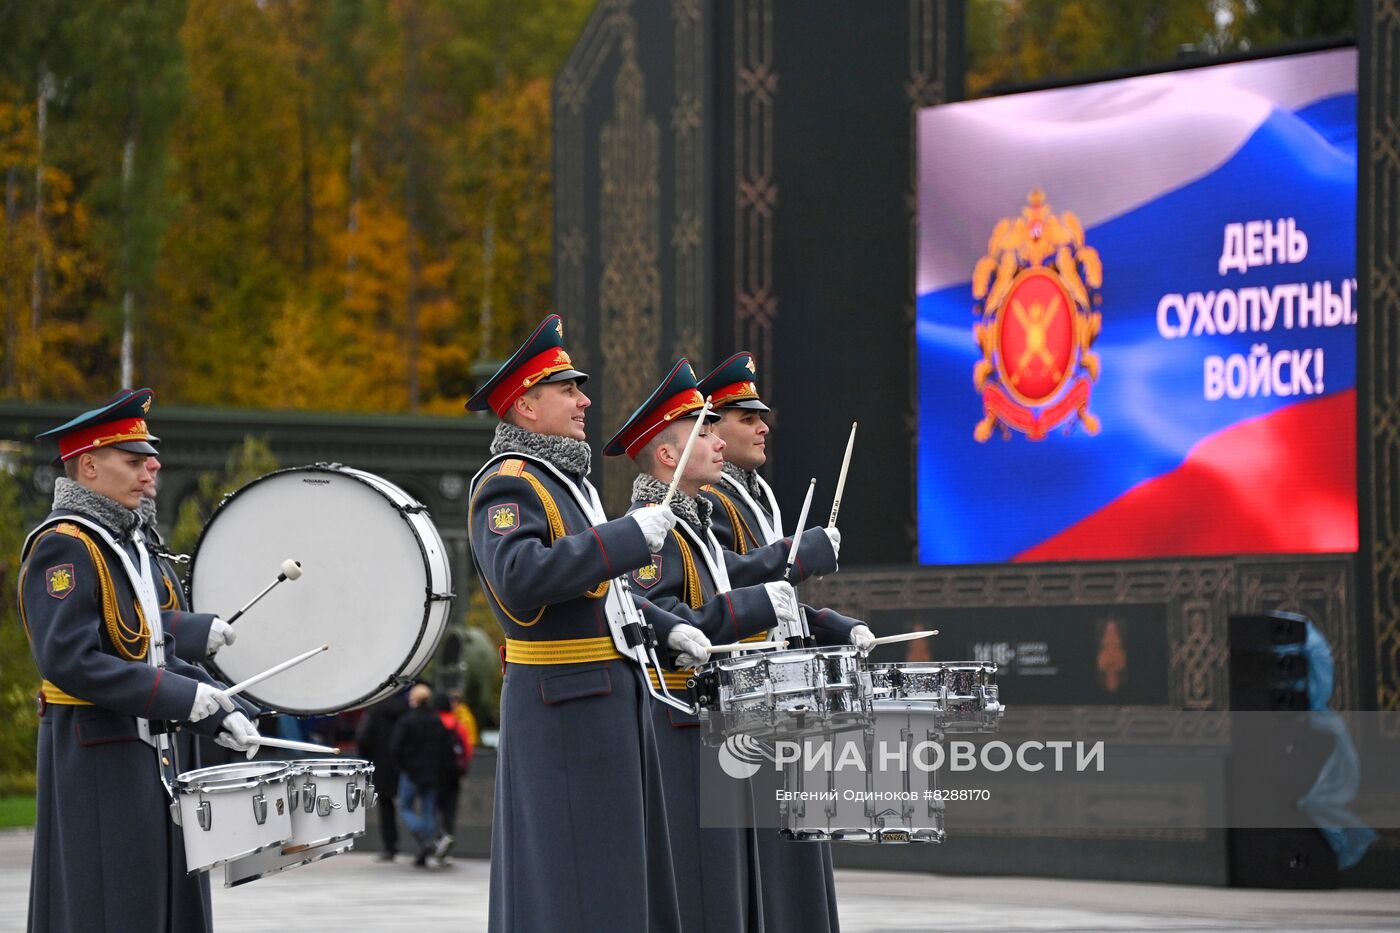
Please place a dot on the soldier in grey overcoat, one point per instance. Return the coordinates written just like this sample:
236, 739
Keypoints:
578, 838
104, 835
197, 636
799, 891
726, 597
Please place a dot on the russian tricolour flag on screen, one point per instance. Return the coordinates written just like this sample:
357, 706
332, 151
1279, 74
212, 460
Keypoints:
1200, 399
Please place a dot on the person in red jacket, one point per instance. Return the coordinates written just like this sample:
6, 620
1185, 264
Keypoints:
455, 767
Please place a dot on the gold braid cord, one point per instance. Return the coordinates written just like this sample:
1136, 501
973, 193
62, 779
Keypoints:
130, 643
555, 520
692, 577
172, 602
741, 541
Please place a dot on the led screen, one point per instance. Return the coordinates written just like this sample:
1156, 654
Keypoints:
1136, 317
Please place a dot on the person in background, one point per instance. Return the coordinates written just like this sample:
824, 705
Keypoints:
372, 738
421, 748
454, 767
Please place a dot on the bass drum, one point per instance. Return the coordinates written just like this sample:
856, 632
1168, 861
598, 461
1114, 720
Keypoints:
376, 586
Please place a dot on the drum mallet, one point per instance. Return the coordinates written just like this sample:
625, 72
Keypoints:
802, 637
685, 454
291, 570
273, 671
841, 480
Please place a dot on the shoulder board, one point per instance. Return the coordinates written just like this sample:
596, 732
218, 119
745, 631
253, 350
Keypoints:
512, 467
68, 528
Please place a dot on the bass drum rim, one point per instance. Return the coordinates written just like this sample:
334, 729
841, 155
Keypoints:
405, 510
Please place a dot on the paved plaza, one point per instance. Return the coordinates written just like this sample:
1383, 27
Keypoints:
354, 892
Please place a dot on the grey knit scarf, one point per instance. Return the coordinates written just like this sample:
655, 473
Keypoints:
76, 497
649, 489
749, 480
146, 511
566, 453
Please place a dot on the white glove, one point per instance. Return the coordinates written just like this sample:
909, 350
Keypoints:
239, 734
834, 534
655, 522
691, 643
785, 608
220, 634
207, 701
862, 638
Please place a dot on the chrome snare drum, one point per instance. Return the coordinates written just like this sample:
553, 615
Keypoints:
773, 694
328, 798
231, 811
962, 695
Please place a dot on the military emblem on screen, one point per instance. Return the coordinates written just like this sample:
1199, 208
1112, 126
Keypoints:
1037, 299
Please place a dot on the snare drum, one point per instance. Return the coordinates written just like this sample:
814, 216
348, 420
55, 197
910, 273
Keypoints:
961, 695
780, 693
328, 798
845, 809
231, 811
376, 586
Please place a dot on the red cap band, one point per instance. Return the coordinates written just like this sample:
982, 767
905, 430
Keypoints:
102, 435
734, 392
527, 374
677, 406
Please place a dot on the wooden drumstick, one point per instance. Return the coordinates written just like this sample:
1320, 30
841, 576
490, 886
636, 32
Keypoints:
272, 671
685, 454
291, 570
797, 532
903, 636
295, 746
841, 481
746, 646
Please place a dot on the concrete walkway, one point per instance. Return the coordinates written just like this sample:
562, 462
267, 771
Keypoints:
354, 892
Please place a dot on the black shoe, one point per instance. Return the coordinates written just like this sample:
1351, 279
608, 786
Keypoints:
421, 861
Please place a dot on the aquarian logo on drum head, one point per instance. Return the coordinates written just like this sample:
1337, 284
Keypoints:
1037, 292
740, 756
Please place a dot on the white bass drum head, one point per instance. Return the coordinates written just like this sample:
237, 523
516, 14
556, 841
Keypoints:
375, 586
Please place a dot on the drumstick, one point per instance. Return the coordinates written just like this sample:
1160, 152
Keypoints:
277, 669
746, 646
797, 532
685, 454
841, 480
295, 746
904, 636
291, 570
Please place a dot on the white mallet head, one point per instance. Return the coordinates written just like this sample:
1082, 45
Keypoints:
291, 569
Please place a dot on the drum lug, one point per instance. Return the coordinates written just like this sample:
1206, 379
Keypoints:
206, 815
324, 805
260, 809
308, 796
175, 812
353, 797
416, 508
371, 795
440, 597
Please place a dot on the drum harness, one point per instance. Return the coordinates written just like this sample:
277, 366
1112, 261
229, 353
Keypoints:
143, 584
772, 534
632, 635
